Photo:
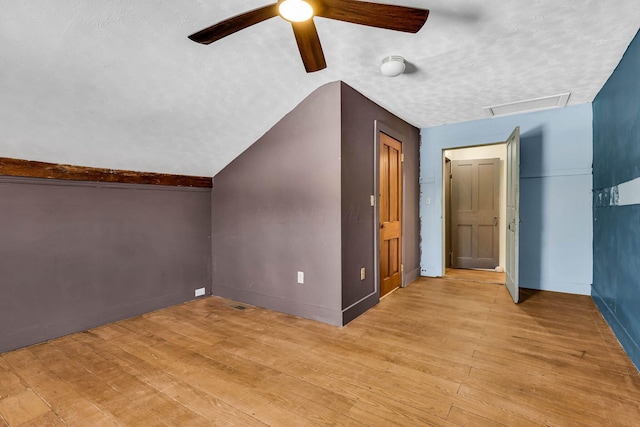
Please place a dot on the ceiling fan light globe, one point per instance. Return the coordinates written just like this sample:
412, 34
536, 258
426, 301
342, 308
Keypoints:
295, 10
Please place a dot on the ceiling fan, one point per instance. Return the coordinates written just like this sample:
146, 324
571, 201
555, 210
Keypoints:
301, 12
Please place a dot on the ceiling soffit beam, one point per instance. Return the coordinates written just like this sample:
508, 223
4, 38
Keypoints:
34, 169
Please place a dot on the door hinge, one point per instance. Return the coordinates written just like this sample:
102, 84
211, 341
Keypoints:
402, 157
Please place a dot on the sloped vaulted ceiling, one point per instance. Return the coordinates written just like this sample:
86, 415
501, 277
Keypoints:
117, 84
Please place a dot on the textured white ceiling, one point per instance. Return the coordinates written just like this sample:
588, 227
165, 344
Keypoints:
117, 84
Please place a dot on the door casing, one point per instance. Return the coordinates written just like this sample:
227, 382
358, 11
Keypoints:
515, 221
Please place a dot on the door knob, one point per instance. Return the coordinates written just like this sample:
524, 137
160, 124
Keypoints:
381, 225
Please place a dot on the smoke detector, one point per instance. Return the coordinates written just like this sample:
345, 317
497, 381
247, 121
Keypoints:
392, 66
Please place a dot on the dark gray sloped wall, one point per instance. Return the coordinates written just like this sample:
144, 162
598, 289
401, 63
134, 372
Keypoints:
359, 175
77, 255
616, 215
299, 200
276, 211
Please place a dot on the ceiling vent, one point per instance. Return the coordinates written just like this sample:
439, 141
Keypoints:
536, 104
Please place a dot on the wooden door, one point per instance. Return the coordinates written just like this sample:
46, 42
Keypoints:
475, 206
390, 214
513, 215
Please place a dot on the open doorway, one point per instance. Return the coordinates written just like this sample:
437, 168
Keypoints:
474, 213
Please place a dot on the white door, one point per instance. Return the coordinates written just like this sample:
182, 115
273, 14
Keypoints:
513, 213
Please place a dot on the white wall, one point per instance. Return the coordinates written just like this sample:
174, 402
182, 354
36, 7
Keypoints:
556, 234
496, 151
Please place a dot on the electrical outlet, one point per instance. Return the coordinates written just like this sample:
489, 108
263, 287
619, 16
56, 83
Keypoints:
362, 273
300, 277
199, 292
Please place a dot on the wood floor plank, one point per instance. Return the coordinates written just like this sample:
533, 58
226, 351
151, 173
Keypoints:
10, 383
370, 357
494, 410
239, 389
606, 352
439, 352
66, 402
93, 388
482, 276
599, 401
542, 365
48, 419
178, 389
343, 374
370, 403
465, 418
501, 408
246, 345
555, 412
23, 407
131, 387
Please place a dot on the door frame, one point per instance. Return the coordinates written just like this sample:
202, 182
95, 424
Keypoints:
382, 127
446, 209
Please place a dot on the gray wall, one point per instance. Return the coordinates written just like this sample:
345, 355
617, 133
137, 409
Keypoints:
359, 178
76, 255
276, 211
299, 200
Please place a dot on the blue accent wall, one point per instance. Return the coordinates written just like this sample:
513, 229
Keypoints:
616, 228
555, 193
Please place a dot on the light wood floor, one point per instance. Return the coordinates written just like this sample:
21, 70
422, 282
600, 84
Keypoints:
439, 352
485, 276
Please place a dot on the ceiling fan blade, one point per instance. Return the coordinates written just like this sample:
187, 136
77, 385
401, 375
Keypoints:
235, 24
391, 17
309, 45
